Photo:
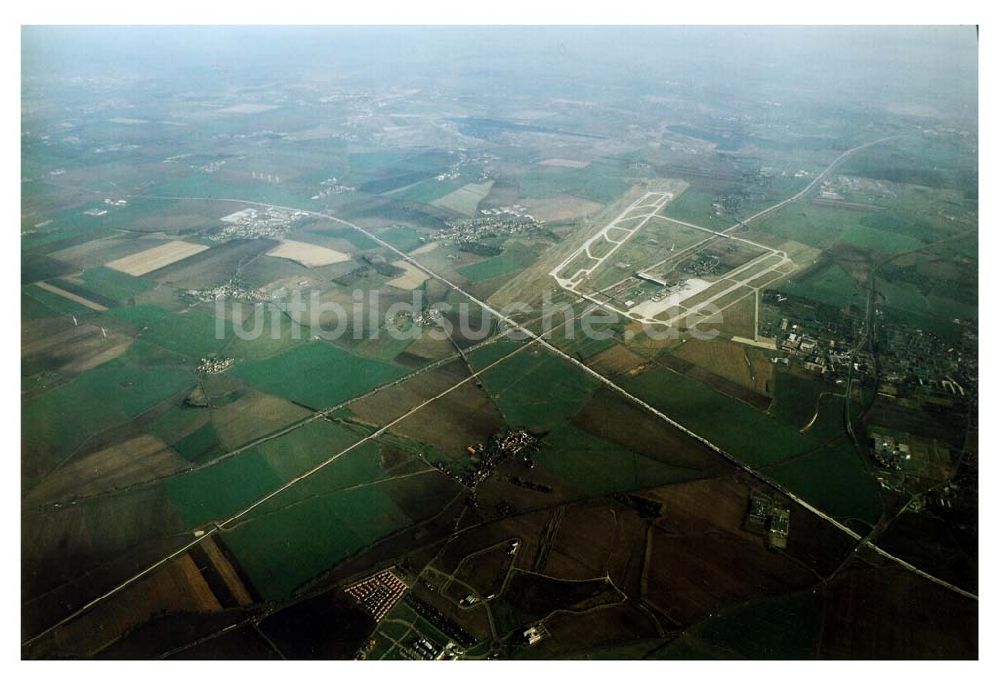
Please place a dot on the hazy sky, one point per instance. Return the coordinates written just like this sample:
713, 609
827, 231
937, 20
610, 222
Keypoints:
891, 66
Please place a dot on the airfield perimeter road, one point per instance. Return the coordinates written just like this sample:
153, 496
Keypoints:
534, 338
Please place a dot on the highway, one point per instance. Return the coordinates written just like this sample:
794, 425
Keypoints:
812, 184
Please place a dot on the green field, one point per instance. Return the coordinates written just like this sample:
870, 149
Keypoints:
191, 333
747, 433
36, 267
288, 543
695, 206
829, 284
603, 181
216, 186
835, 481
300, 450
515, 258
466, 199
178, 422
200, 445
795, 400
114, 284
384, 347
218, 491
583, 347
58, 421
351, 235
429, 190
402, 238
595, 466
317, 374
67, 228
935, 162
906, 302
786, 627
490, 353
42, 303
813, 225
537, 389
273, 333
388, 163
879, 239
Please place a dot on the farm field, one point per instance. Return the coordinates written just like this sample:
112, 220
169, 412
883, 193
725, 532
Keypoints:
155, 258
317, 374
404, 238
516, 258
520, 385
191, 333
412, 279
98, 399
44, 302
307, 254
465, 199
111, 283
779, 628
763, 442
595, 467
66, 294
561, 208
601, 181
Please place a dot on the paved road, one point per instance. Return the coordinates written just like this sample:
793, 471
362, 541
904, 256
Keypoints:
812, 184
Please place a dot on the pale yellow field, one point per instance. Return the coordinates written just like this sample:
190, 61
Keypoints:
72, 297
411, 280
425, 248
246, 109
721, 357
307, 254
563, 162
465, 199
156, 257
